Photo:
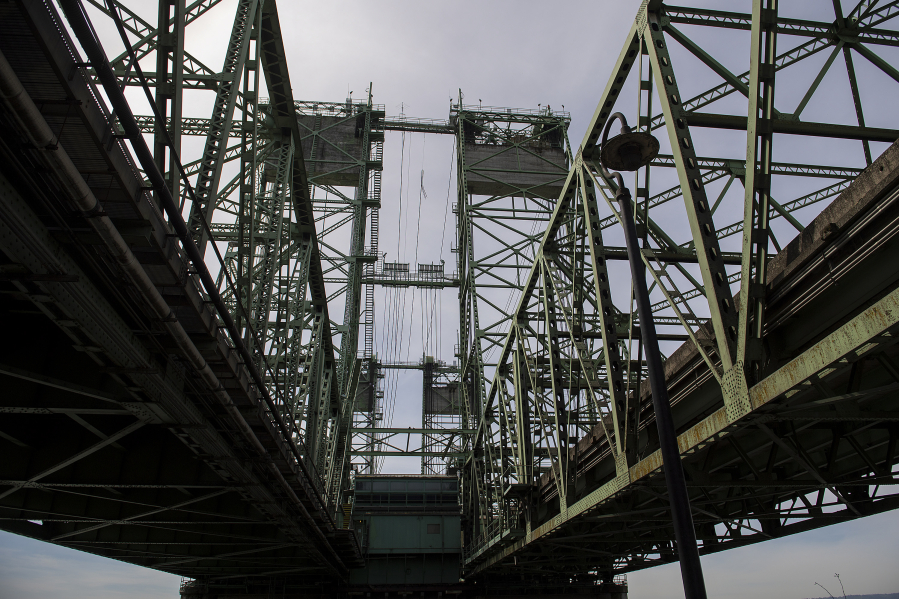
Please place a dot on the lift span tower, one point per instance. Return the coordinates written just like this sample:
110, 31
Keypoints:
201, 326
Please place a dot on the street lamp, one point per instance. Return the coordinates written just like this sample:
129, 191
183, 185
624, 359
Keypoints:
629, 151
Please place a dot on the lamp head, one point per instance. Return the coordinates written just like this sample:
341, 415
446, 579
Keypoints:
629, 150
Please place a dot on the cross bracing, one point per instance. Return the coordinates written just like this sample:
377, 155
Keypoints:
231, 389
529, 477
771, 274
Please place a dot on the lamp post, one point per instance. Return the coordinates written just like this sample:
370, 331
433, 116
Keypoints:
629, 151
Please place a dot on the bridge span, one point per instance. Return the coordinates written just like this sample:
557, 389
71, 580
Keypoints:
812, 443
189, 375
134, 422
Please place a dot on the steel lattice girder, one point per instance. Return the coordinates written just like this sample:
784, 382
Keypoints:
302, 363
601, 490
300, 272
494, 247
343, 146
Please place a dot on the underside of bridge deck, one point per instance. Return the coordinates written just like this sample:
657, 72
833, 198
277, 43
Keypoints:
113, 440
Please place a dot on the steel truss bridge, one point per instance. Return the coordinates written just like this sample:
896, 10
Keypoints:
189, 368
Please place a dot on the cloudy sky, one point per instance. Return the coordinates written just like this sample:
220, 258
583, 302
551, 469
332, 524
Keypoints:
522, 53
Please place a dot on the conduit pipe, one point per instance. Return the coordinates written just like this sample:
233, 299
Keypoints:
41, 136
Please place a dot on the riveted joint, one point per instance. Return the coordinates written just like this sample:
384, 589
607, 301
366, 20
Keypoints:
736, 393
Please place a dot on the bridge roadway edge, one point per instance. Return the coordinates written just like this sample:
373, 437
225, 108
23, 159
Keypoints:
137, 367
860, 228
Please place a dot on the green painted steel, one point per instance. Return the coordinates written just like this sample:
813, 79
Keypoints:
570, 366
413, 534
410, 530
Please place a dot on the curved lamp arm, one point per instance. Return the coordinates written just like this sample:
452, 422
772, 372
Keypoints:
619, 180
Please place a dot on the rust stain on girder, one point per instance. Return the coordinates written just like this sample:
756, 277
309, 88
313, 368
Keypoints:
848, 339
687, 442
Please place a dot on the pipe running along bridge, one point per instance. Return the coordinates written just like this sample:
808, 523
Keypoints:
190, 379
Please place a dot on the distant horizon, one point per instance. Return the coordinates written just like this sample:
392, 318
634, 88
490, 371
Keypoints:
860, 551
874, 596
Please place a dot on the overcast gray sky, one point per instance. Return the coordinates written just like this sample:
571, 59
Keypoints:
520, 54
